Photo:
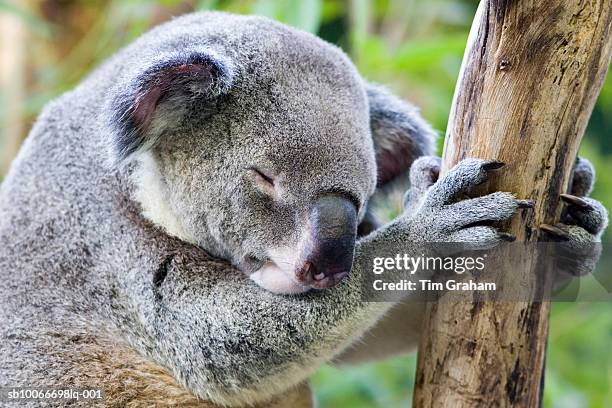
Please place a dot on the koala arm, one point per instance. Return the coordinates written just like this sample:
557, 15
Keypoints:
224, 338
229, 341
397, 332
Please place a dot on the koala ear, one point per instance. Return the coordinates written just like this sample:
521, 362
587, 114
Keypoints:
150, 100
399, 133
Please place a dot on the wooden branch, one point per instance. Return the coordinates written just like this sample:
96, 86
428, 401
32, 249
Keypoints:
530, 77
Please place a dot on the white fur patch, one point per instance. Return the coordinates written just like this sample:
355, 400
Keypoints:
276, 280
278, 275
152, 196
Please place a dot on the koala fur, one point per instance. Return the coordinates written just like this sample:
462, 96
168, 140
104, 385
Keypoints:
95, 294
140, 202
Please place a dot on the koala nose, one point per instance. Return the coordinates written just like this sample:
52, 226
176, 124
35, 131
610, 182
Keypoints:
328, 252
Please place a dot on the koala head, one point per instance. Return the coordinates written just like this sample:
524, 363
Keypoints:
256, 142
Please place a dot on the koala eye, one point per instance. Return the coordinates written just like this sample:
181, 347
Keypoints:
264, 180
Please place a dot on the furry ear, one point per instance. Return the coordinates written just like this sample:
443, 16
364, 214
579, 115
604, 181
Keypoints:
399, 133
150, 100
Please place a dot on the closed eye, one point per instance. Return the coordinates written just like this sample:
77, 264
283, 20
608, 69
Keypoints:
263, 179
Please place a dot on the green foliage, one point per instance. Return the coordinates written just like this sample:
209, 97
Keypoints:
305, 15
416, 48
385, 384
579, 364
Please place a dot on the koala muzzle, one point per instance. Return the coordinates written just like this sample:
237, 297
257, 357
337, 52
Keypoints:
328, 253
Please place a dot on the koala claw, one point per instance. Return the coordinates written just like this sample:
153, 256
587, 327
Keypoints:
525, 203
493, 165
555, 233
576, 201
506, 237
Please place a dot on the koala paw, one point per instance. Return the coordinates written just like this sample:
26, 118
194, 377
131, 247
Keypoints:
583, 221
440, 215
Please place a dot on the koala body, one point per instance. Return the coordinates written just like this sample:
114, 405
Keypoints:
153, 211
141, 202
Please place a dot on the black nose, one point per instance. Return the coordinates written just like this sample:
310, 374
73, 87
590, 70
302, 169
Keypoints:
328, 254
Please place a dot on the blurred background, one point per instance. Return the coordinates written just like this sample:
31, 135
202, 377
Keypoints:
415, 47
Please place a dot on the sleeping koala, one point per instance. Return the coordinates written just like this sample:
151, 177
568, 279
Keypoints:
286, 162
214, 155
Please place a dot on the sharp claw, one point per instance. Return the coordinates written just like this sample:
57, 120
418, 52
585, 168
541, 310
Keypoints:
561, 225
555, 232
576, 201
493, 165
506, 237
526, 203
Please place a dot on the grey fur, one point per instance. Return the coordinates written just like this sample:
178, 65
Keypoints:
584, 178
82, 268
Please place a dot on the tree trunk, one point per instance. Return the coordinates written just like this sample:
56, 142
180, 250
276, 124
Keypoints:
530, 77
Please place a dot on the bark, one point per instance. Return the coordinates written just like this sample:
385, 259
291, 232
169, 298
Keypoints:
530, 77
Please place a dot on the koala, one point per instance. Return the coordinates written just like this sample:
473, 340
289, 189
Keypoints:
190, 225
